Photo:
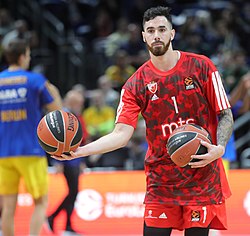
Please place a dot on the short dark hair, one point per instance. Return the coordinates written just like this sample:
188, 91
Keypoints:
153, 12
14, 50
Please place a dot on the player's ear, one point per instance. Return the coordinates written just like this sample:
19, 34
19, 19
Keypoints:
172, 34
143, 37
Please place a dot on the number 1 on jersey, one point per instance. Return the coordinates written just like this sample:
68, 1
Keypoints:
175, 104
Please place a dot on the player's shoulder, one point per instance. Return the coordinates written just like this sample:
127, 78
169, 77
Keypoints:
192, 55
197, 57
35, 75
36, 79
138, 79
140, 72
22, 73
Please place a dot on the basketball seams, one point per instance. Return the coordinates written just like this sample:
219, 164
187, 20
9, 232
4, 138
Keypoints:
64, 127
77, 127
186, 159
184, 142
48, 128
79, 132
67, 138
44, 144
41, 139
198, 147
175, 138
196, 136
206, 137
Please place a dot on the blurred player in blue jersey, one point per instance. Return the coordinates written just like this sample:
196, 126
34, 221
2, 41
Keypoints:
24, 96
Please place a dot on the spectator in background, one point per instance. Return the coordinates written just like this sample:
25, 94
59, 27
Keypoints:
235, 70
116, 159
104, 25
85, 93
135, 48
138, 147
80, 88
21, 155
111, 96
6, 22
121, 70
240, 96
230, 154
234, 67
6, 25
134, 9
243, 26
226, 38
236, 77
195, 43
226, 27
73, 102
21, 30
136, 153
116, 38
99, 117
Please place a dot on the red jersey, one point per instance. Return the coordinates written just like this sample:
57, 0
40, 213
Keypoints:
191, 92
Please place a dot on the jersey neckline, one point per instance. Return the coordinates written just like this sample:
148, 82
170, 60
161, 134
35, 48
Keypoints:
165, 73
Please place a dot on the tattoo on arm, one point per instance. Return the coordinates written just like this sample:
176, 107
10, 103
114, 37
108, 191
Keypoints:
225, 127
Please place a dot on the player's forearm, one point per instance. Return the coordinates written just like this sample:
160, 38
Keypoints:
56, 95
117, 139
225, 127
104, 144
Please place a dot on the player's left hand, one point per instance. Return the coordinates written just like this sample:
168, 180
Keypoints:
79, 152
213, 153
65, 157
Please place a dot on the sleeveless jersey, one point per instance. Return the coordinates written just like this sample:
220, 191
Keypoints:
22, 96
191, 92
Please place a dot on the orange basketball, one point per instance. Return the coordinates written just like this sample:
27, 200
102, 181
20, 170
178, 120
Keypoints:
185, 141
59, 132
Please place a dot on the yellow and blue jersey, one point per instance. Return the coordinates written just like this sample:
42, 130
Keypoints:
22, 97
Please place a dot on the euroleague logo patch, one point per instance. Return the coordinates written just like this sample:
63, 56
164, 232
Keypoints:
189, 83
195, 216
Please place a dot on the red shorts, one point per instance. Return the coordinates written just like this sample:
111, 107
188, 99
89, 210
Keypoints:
183, 217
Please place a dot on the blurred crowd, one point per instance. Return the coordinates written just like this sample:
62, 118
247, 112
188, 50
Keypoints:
217, 29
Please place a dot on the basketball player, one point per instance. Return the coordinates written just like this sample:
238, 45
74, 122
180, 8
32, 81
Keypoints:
171, 89
23, 95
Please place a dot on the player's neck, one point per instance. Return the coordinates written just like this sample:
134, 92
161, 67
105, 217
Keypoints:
167, 61
14, 68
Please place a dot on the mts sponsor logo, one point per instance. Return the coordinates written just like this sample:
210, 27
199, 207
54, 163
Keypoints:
169, 128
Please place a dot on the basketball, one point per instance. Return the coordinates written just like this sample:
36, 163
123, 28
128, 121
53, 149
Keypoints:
184, 141
59, 132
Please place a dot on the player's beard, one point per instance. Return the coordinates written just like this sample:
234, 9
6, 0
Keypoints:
159, 50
